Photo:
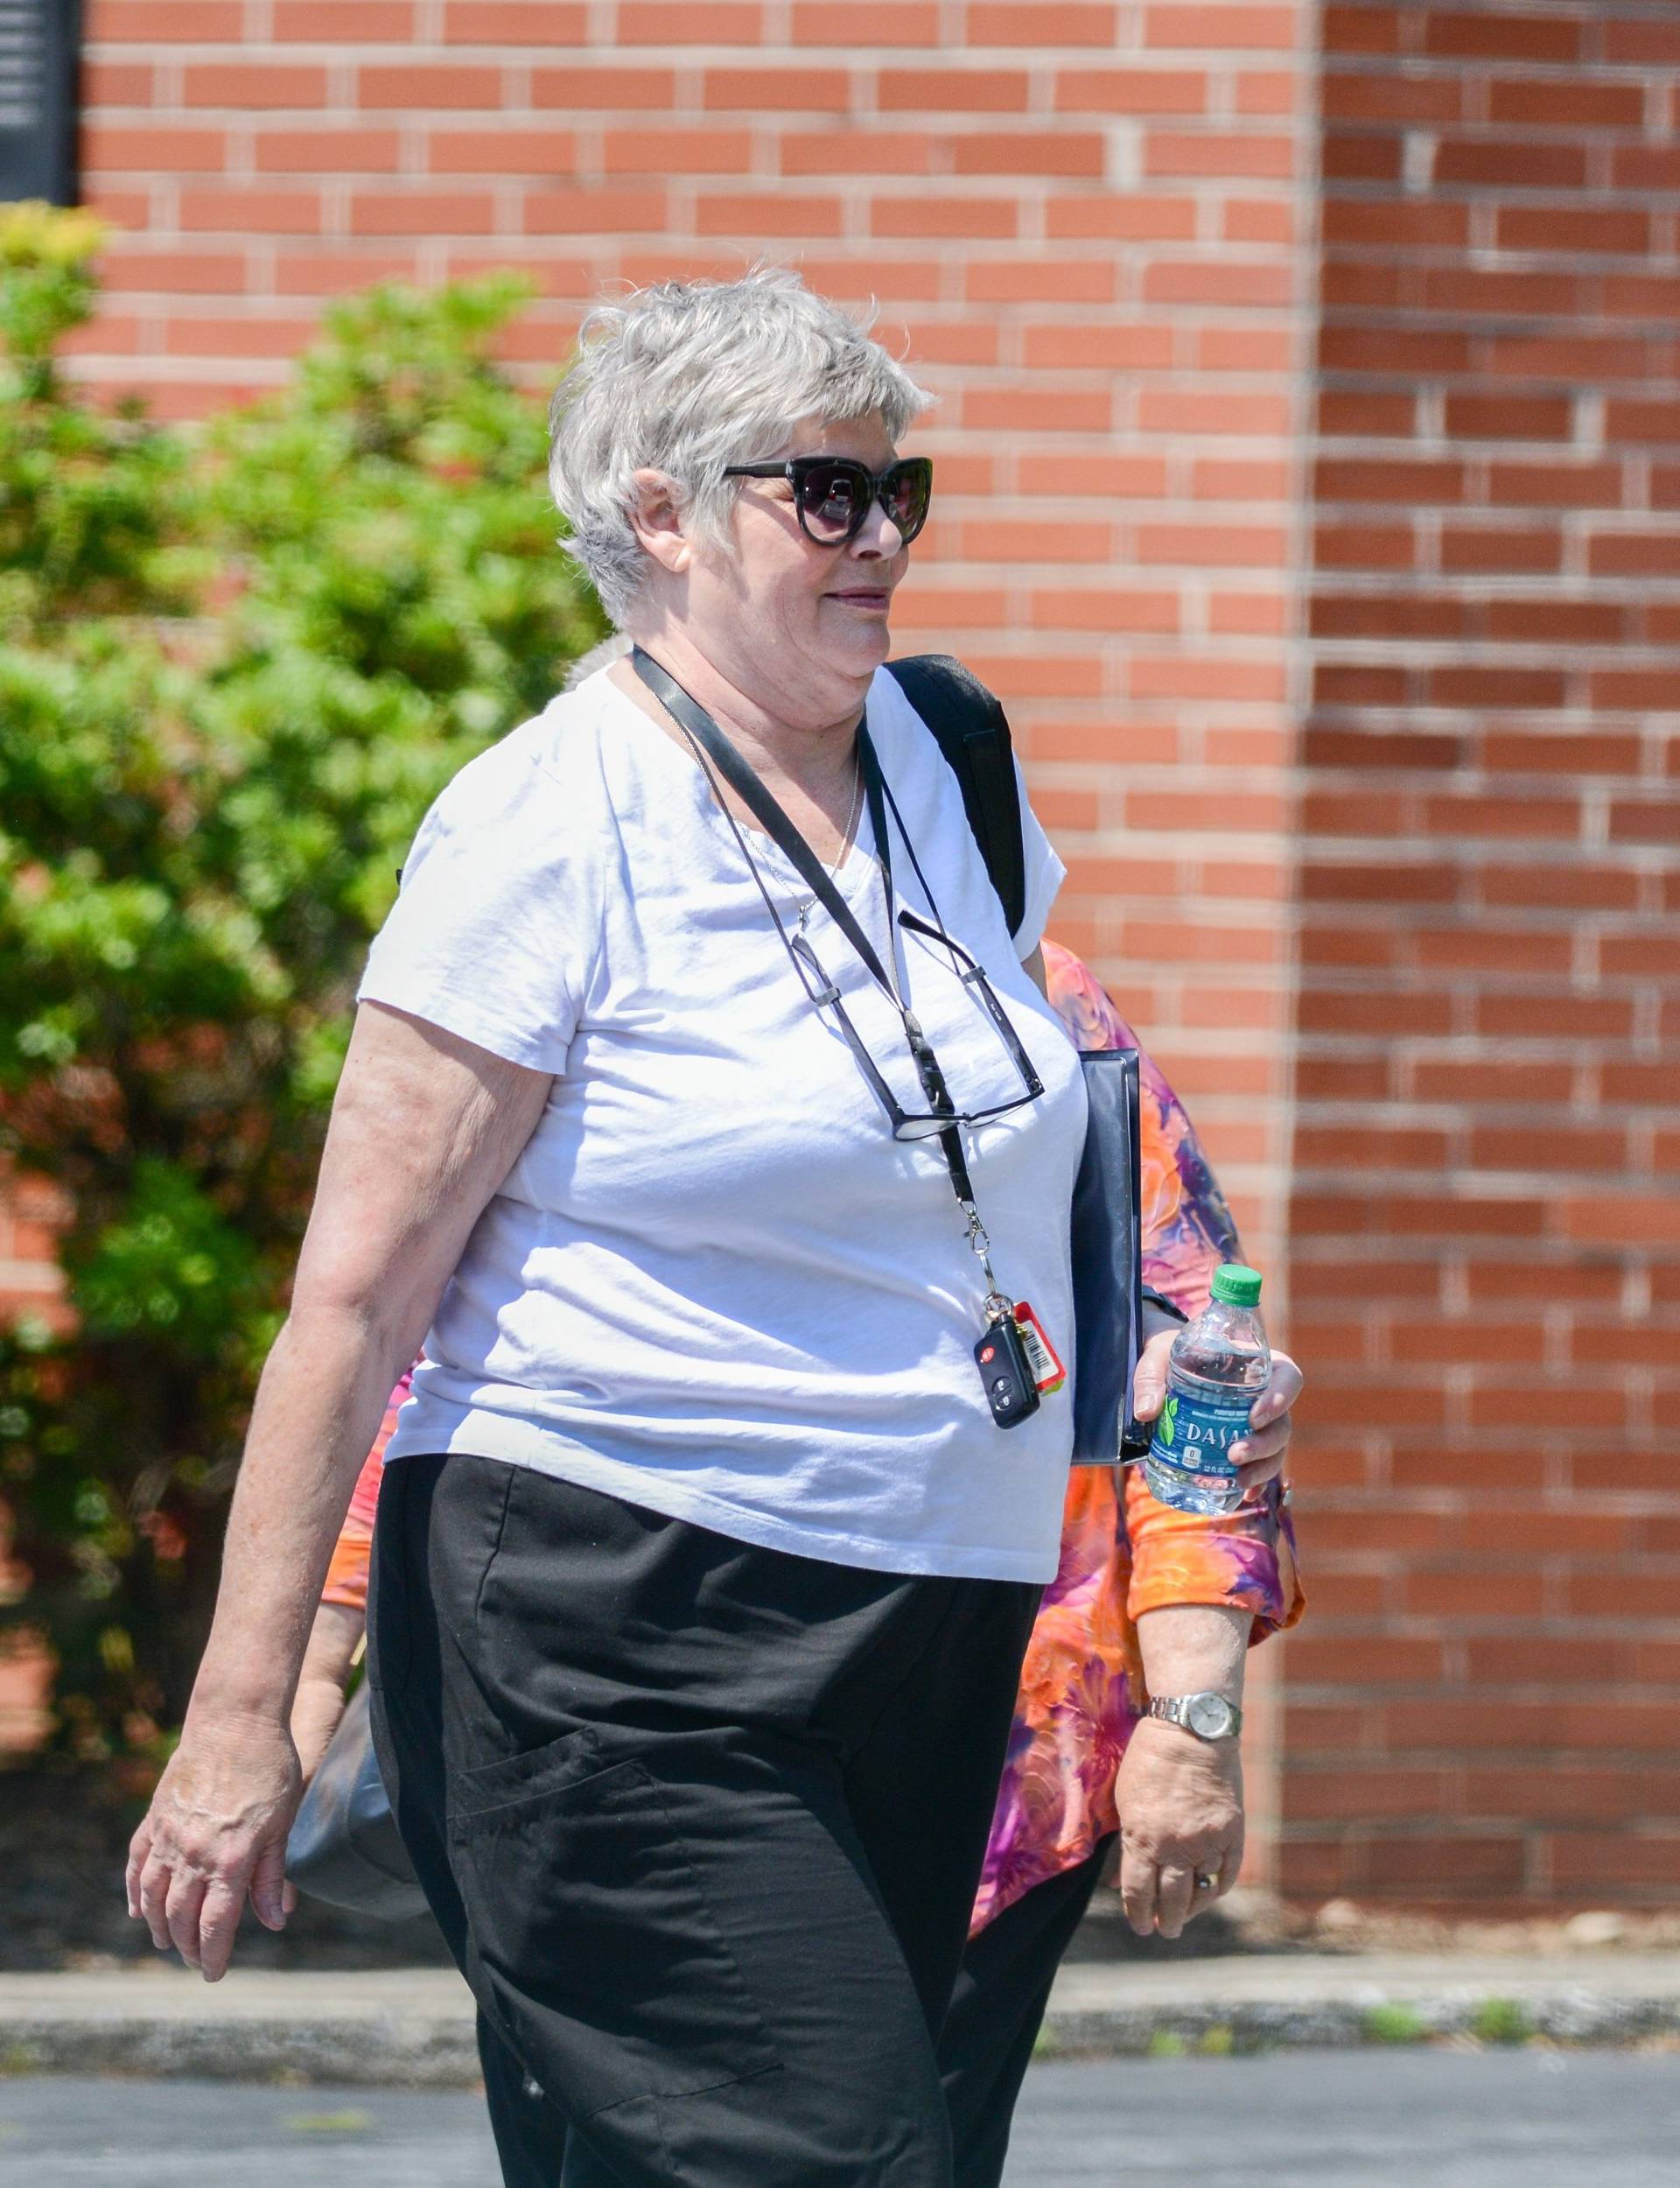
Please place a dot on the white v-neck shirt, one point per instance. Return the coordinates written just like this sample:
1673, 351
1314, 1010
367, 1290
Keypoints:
713, 1284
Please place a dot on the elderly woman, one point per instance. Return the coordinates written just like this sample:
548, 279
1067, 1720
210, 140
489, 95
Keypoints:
706, 1555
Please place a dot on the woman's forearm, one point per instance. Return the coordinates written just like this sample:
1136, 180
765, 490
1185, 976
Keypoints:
319, 1406
334, 1637
424, 1128
319, 1704
1194, 1648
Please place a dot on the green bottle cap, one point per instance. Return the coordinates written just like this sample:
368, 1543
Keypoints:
1236, 1285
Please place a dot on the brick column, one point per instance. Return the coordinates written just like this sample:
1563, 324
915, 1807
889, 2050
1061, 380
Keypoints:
1486, 1221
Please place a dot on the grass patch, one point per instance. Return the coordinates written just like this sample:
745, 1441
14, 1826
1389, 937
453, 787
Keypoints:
1501, 2021
1394, 2024
331, 2122
1168, 2043
1219, 2042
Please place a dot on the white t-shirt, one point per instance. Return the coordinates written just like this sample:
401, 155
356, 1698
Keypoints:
713, 1284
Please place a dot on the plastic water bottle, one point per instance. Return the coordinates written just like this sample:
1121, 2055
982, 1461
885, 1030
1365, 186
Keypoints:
1219, 1364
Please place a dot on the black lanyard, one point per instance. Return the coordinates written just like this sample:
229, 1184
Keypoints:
693, 719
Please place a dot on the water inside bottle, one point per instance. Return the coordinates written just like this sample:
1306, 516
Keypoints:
1218, 1366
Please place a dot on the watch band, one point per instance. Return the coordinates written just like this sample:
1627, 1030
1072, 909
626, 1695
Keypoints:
1210, 1717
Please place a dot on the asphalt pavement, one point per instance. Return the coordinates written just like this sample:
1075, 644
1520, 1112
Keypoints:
1529, 2118
1495, 2119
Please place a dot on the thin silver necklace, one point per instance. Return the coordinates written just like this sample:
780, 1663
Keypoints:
809, 905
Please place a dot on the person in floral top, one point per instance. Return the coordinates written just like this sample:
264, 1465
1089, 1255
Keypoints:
1083, 1687
1073, 1773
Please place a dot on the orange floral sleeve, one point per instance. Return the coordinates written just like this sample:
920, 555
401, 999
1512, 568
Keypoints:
1244, 1560
1123, 1553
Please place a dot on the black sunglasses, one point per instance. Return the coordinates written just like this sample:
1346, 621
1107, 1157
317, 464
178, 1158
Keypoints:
833, 495
929, 1123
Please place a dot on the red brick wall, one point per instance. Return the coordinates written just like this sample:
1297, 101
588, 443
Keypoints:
1486, 1215
1083, 220
1092, 226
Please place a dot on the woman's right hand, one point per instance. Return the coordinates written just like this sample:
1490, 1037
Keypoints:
216, 1831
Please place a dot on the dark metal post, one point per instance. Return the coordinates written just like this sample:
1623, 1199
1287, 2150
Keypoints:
40, 43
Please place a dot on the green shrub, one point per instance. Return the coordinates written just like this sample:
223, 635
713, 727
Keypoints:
91, 501
235, 668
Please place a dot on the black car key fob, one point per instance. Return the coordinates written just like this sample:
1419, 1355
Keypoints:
1005, 1372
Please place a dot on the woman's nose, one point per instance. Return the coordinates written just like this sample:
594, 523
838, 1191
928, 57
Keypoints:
880, 536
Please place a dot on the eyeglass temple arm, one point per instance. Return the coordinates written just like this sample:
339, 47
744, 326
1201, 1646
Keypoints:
865, 1063
974, 975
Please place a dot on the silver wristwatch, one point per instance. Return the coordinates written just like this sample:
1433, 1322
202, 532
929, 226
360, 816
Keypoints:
1209, 1716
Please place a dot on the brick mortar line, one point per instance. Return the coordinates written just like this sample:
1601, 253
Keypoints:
770, 57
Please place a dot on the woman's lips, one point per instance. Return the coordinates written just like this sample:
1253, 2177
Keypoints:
860, 597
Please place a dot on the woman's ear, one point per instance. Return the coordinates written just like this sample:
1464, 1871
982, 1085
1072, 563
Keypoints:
657, 519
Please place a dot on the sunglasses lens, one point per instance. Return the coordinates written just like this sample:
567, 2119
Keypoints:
835, 498
909, 488
832, 499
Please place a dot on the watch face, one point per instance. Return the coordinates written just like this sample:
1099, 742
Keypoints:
1210, 1714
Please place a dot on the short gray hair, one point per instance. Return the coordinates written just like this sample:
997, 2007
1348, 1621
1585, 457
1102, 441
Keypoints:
687, 376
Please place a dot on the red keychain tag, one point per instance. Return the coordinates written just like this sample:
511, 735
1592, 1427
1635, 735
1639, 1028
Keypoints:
1048, 1373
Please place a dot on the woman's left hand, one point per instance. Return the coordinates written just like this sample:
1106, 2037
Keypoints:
1180, 1804
1262, 1453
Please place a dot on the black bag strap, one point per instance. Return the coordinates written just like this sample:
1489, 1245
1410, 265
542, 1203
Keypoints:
972, 731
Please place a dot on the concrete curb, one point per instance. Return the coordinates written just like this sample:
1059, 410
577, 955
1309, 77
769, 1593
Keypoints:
408, 2028
381, 2054
1309, 2001
413, 2029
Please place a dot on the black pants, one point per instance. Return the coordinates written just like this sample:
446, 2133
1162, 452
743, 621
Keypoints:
986, 2047
986, 2044
700, 1822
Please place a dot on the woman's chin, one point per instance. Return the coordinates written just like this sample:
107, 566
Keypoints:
861, 638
